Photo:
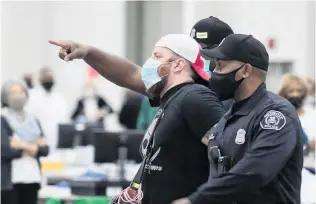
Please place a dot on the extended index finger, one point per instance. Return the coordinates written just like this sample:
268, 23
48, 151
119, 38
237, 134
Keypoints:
59, 43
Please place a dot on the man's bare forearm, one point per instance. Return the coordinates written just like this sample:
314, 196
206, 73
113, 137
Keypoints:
120, 71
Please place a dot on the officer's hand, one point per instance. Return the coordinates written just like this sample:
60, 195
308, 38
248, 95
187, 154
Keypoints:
182, 201
70, 50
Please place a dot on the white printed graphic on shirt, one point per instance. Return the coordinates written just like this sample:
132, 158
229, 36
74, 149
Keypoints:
145, 142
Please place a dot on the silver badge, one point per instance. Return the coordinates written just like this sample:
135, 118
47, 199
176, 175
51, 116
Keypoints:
240, 137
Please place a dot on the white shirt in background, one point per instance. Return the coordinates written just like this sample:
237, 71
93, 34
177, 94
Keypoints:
50, 109
91, 109
26, 170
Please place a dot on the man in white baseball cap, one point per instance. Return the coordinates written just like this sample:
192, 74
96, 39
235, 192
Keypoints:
175, 159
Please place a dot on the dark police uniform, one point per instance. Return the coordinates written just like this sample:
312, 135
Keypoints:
256, 149
262, 137
178, 162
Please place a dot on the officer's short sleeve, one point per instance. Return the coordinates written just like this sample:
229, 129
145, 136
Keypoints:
274, 140
202, 110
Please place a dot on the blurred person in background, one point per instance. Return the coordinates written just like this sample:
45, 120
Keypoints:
295, 89
130, 109
49, 106
146, 114
22, 143
28, 80
311, 95
91, 107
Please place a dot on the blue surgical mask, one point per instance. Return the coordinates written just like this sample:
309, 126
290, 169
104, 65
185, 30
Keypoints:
150, 76
150, 73
207, 67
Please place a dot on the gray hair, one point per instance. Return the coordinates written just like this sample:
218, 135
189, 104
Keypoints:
45, 69
6, 87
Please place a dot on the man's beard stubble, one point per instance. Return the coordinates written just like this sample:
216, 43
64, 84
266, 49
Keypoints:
156, 89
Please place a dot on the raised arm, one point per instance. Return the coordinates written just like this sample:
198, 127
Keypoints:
120, 71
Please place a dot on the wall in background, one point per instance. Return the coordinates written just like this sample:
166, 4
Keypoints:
159, 18
27, 26
132, 28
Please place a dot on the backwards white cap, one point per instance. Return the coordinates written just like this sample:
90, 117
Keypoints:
186, 47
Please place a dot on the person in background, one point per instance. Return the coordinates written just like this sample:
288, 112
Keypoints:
22, 143
91, 106
49, 106
209, 32
295, 89
28, 80
311, 95
130, 109
146, 114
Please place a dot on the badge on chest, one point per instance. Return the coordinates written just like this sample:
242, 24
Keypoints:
240, 137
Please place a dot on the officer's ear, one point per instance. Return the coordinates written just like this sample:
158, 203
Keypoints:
247, 70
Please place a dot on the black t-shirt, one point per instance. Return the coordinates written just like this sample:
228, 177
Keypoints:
179, 163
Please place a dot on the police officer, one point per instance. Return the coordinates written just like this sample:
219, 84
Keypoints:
255, 151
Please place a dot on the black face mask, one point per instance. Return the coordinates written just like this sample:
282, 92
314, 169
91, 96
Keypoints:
224, 85
47, 85
297, 102
29, 83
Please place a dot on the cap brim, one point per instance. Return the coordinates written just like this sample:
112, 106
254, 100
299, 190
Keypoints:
209, 54
203, 45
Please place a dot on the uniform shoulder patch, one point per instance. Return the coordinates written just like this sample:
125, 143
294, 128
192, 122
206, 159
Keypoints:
273, 120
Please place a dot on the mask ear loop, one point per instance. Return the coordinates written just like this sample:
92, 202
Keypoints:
161, 78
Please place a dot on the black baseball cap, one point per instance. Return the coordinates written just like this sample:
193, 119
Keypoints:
240, 47
210, 31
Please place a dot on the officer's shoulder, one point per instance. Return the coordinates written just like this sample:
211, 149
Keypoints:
280, 103
278, 112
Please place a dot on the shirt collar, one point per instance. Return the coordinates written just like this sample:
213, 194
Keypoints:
171, 91
249, 103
